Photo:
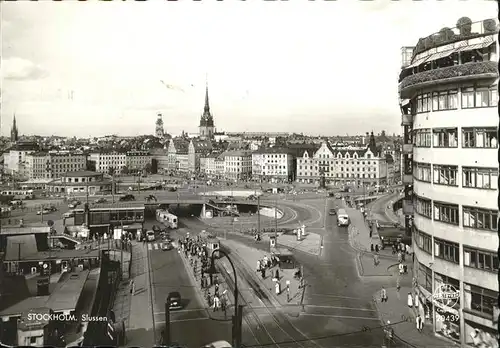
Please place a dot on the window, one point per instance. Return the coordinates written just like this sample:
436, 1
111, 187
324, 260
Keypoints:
481, 219
479, 97
446, 212
480, 259
480, 137
445, 137
423, 138
424, 241
444, 175
422, 171
423, 207
424, 277
424, 103
445, 250
445, 100
482, 300
482, 178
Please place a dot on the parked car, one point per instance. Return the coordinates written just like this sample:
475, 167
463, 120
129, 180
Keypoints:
44, 212
166, 246
150, 236
127, 198
101, 200
333, 212
218, 344
175, 300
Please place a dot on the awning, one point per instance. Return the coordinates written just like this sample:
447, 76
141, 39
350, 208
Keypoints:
434, 56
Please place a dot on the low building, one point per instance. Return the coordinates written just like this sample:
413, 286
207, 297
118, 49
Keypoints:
273, 164
160, 160
178, 158
237, 164
105, 162
137, 161
80, 183
15, 158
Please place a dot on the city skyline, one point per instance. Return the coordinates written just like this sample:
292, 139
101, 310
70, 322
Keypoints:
62, 76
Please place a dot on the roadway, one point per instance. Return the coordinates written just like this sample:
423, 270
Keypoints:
377, 209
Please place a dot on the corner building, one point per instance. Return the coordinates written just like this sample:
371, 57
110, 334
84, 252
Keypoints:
448, 98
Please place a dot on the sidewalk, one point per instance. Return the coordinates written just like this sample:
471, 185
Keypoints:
402, 317
138, 324
249, 257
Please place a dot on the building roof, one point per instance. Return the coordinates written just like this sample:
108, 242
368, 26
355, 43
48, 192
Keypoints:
25, 146
181, 146
202, 145
20, 246
237, 153
25, 230
274, 150
64, 297
81, 173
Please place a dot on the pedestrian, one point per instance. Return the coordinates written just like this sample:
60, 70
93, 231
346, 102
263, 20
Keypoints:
420, 323
398, 284
258, 265
376, 259
377, 248
371, 247
263, 273
216, 288
401, 268
216, 303
277, 276
383, 295
393, 249
410, 300
277, 288
132, 285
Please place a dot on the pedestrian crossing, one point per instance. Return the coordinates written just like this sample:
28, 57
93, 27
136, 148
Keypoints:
158, 245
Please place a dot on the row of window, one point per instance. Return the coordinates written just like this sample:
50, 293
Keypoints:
472, 177
339, 175
471, 97
472, 217
472, 137
450, 251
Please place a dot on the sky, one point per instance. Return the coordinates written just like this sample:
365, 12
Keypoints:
95, 68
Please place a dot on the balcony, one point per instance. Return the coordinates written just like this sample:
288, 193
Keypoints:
407, 179
407, 149
451, 74
407, 207
406, 120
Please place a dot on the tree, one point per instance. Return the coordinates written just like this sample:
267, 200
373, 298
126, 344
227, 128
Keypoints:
125, 170
111, 170
148, 168
464, 24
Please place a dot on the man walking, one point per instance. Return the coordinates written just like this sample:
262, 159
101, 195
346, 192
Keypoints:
420, 323
383, 295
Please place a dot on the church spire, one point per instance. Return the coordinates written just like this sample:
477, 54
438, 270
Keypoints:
207, 104
14, 135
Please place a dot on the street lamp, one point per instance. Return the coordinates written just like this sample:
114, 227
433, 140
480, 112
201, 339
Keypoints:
237, 310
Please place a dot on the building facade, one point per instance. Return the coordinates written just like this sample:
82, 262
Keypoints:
448, 100
197, 148
53, 164
272, 164
80, 183
237, 165
178, 155
107, 161
343, 166
15, 159
137, 161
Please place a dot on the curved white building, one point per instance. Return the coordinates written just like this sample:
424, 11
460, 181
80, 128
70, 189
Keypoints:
448, 95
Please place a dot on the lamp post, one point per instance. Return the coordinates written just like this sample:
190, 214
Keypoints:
237, 310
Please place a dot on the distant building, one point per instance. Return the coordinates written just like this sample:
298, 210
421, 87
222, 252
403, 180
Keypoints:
343, 166
159, 130
137, 160
15, 158
207, 127
237, 164
159, 160
80, 183
51, 165
178, 155
103, 161
273, 164
197, 149
14, 133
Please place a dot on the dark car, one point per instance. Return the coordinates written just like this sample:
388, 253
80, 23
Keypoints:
175, 300
127, 198
333, 212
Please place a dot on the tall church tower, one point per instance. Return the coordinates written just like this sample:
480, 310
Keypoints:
14, 135
159, 131
207, 121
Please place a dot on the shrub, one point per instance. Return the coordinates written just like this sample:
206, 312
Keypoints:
464, 24
490, 26
446, 34
429, 42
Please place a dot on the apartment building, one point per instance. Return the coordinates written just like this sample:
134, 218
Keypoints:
137, 160
273, 164
343, 166
15, 158
237, 164
448, 100
197, 149
104, 161
53, 164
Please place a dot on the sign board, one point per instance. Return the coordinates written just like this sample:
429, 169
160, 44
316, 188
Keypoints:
446, 297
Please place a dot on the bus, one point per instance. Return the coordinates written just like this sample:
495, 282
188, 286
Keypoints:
19, 194
166, 218
342, 218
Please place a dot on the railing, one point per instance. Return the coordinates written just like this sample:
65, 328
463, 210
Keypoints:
451, 35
